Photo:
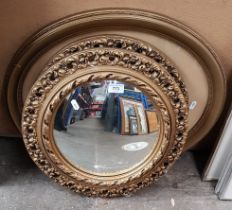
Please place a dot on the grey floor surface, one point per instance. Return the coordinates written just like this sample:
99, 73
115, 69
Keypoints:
24, 187
87, 145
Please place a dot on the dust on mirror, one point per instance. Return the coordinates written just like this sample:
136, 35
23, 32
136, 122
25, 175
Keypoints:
106, 127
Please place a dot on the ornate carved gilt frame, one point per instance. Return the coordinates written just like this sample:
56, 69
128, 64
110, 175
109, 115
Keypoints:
71, 71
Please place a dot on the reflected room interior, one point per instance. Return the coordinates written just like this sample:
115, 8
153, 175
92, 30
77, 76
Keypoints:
106, 126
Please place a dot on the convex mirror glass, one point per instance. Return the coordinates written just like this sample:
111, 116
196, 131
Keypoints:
106, 126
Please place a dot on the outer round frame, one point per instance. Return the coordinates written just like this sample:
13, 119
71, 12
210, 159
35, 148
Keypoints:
69, 26
58, 80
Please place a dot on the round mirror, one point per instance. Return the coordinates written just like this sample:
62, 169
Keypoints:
106, 126
105, 122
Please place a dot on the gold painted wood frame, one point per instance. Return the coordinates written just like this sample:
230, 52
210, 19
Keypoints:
72, 71
80, 24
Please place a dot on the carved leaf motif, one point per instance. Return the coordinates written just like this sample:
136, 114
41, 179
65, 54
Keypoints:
76, 59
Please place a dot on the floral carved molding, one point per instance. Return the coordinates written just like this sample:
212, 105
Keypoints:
96, 59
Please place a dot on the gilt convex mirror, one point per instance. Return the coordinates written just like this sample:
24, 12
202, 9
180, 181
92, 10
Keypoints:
105, 122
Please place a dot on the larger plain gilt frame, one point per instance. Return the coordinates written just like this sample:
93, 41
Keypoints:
74, 25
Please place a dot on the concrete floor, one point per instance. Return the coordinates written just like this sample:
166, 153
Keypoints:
24, 187
87, 145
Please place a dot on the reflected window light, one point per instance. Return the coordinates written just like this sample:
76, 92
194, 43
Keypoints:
136, 146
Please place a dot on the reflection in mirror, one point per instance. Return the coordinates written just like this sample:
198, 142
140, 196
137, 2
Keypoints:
106, 126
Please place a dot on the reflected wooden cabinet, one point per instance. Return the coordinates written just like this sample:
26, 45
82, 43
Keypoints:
152, 121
